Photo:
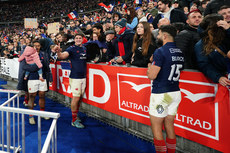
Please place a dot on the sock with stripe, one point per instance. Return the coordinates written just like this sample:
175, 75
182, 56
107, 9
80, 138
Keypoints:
171, 145
74, 116
160, 146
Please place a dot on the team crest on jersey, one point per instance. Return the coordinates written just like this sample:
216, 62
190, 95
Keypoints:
160, 109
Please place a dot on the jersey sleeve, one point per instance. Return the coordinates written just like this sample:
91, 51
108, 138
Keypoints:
158, 58
69, 50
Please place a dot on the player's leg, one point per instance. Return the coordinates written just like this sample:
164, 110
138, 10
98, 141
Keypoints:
32, 90
169, 121
157, 125
75, 85
31, 106
158, 111
170, 133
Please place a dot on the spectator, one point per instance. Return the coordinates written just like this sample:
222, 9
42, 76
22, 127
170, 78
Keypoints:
77, 80
16, 48
210, 52
132, 19
116, 17
2, 48
151, 9
46, 43
203, 6
175, 4
185, 9
98, 29
123, 43
141, 15
22, 44
165, 96
110, 36
179, 26
214, 5
73, 26
65, 40
143, 45
174, 15
92, 47
163, 21
151, 27
187, 39
225, 12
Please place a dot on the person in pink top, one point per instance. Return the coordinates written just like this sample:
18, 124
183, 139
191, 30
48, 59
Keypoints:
31, 56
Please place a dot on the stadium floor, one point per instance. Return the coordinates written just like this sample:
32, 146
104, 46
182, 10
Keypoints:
96, 137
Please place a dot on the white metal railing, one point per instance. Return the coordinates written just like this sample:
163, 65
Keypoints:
13, 130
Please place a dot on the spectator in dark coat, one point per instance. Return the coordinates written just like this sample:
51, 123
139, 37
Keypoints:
214, 5
211, 53
123, 43
225, 12
174, 15
187, 39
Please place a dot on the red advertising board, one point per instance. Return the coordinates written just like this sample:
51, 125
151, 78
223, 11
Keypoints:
125, 91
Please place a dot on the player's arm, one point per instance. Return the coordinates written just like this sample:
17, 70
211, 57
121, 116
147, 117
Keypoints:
63, 55
153, 71
60, 55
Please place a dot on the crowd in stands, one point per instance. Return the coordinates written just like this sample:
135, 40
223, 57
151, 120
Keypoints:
44, 9
120, 36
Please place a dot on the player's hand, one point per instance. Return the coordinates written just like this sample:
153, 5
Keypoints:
57, 49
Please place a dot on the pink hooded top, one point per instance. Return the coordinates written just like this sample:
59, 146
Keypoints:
31, 56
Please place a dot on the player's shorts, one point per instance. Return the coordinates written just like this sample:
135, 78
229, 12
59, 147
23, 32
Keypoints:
77, 86
164, 104
37, 85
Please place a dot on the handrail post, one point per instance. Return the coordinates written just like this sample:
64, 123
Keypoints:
39, 134
8, 132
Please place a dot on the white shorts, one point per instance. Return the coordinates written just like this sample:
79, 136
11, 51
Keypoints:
77, 86
164, 104
37, 85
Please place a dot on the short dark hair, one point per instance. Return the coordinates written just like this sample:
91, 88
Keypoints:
36, 41
203, 2
224, 7
165, 2
98, 26
79, 34
171, 30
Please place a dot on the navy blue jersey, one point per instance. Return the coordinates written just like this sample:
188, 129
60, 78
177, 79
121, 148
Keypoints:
171, 60
35, 75
77, 56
